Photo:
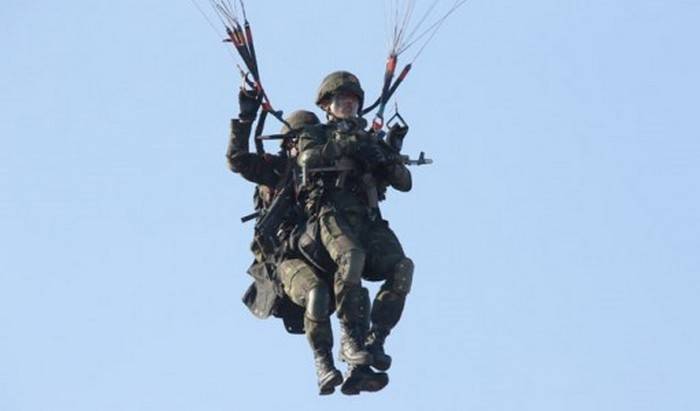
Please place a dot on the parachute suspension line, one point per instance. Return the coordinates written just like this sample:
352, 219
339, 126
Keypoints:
241, 37
400, 36
434, 27
401, 25
420, 51
245, 16
378, 121
267, 106
395, 23
387, 25
423, 19
249, 39
225, 14
400, 42
219, 35
208, 20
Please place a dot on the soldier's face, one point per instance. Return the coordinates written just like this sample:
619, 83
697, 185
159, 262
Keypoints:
344, 105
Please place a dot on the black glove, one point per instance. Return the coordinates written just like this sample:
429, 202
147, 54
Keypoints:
396, 135
371, 155
249, 103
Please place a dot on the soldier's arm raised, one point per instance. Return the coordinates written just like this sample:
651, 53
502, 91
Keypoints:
238, 147
238, 154
254, 167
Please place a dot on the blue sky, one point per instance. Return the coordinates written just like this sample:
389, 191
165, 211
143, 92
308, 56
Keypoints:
555, 237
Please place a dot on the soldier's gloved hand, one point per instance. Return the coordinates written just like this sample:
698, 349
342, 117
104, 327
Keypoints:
346, 144
371, 155
249, 103
396, 135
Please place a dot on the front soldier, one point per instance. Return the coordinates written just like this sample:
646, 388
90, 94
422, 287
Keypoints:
302, 284
346, 173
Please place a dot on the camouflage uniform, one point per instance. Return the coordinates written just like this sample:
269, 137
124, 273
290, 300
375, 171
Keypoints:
351, 228
301, 283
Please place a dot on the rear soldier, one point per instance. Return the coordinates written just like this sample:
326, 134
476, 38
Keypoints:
301, 283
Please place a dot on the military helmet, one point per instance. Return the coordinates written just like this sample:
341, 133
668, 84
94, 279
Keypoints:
299, 119
336, 82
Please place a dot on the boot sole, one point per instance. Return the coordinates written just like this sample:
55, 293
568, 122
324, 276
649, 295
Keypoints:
374, 384
364, 383
349, 386
327, 385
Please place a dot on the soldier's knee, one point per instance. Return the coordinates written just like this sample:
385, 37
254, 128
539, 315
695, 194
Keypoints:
298, 279
288, 271
403, 276
318, 303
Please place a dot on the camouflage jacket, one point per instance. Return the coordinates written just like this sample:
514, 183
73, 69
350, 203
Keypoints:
325, 146
261, 169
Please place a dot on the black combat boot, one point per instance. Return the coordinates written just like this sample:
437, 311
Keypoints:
352, 350
375, 346
362, 378
353, 313
320, 337
328, 376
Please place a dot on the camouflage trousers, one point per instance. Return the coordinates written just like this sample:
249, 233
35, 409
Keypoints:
306, 288
366, 248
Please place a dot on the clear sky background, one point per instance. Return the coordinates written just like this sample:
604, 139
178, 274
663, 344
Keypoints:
555, 238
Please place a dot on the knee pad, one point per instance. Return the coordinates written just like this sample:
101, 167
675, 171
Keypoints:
318, 303
403, 276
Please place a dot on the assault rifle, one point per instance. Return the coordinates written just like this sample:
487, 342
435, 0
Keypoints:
272, 217
342, 166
